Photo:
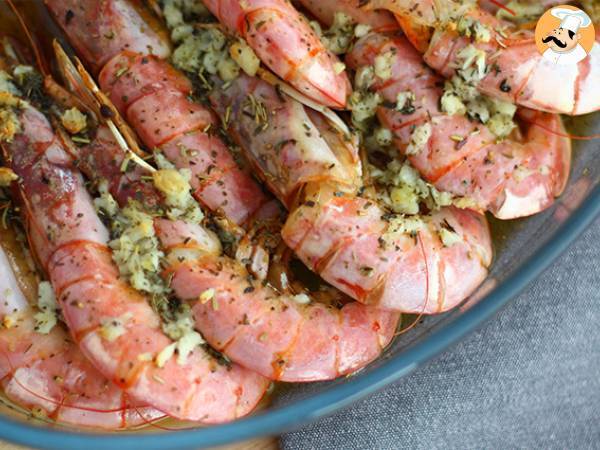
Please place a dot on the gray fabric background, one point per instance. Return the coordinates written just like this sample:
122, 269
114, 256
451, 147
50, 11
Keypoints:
529, 378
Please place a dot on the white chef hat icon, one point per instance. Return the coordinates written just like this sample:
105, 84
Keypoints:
571, 19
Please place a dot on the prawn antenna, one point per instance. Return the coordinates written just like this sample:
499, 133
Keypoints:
40, 62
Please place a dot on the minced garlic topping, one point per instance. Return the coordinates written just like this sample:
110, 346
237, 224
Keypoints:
114, 328
383, 65
206, 50
137, 253
471, 28
342, 33
419, 139
73, 120
175, 185
46, 318
245, 57
461, 96
401, 189
364, 106
7, 176
449, 237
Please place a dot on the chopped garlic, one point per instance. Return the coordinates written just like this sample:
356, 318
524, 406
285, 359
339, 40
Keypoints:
136, 250
339, 67
461, 96
172, 14
363, 106
404, 102
452, 104
165, 354
471, 63
469, 27
162, 162
501, 125
10, 320
207, 295
7, 176
186, 345
465, 203
73, 120
364, 78
46, 318
338, 38
228, 69
301, 299
401, 189
361, 30
105, 204
112, 329
383, 136
138, 256
7, 85
419, 139
449, 238
174, 184
404, 200
400, 226
9, 125
383, 65
521, 173
245, 57
144, 357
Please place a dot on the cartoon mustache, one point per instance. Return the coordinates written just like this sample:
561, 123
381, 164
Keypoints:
556, 41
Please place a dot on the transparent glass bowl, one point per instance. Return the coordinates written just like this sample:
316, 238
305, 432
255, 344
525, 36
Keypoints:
523, 248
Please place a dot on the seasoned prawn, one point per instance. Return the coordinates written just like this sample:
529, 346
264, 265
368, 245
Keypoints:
348, 240
114, 325
513, 178
515, 70
46, 372
140, 84
284, 41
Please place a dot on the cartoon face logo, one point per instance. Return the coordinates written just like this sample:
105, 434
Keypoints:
565, 35
561, 40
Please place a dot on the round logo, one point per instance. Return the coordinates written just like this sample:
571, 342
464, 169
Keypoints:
565, 35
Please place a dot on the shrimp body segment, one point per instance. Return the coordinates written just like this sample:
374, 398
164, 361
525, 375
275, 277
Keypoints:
274, 334
342, 237
518, 72
114, 325
514, 178
101, 29
47, 371
284, 41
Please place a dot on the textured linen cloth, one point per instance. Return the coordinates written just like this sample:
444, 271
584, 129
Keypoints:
529, 378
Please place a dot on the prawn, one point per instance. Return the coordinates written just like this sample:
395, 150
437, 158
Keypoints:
515, 70
285, 42
114, 325
349, 240
47, 373
140, 82
513, 178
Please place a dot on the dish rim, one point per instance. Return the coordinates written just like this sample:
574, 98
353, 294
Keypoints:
316, 406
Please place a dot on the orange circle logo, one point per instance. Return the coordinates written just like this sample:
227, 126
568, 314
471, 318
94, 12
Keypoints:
565, 35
